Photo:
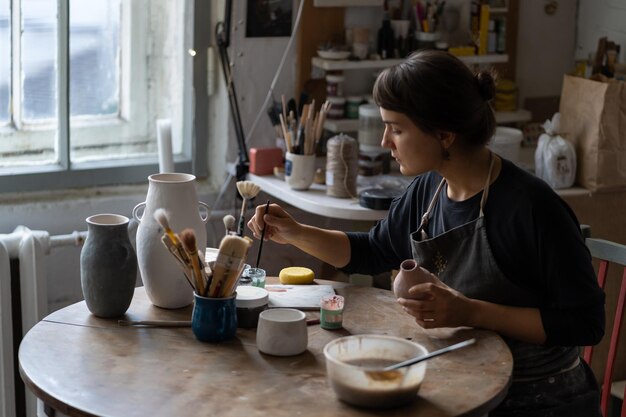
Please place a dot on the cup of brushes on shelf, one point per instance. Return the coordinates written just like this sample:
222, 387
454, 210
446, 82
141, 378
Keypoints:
301, 140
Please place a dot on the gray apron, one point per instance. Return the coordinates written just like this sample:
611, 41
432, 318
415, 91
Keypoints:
463, 260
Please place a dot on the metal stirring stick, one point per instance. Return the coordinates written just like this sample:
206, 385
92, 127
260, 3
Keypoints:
430, 355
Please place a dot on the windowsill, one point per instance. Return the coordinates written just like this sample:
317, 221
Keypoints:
203, 188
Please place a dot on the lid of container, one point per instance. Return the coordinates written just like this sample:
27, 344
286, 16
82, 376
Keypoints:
334, 78
353, 99
369, 110
250, 297
378, 198
336, 100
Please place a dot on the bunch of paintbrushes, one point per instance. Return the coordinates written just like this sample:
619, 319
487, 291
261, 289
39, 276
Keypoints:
231, 258
303, 137
218, 281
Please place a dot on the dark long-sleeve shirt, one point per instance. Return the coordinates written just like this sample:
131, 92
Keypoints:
534, 236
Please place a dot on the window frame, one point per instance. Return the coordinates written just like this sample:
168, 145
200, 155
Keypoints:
68, 174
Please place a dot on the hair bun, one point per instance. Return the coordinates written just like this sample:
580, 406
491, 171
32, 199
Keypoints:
486, 84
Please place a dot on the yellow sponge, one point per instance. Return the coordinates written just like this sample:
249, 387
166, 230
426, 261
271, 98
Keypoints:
296, 275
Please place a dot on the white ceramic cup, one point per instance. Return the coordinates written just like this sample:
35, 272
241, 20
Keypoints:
282, 332
299, 170
400, 28
360, 50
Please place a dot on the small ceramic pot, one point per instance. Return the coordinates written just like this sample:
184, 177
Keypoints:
410, 274
282, 332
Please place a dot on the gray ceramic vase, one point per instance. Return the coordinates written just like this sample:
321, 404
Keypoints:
108, 266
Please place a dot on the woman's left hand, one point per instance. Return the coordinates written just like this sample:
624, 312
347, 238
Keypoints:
438, 305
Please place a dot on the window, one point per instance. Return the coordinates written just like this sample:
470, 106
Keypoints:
82, 83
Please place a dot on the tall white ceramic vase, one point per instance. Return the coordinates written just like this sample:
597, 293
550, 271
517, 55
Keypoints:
162, 277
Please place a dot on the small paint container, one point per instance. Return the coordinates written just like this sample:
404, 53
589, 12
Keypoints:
334, 84
331, 312
352, 106
253, 276
251, 301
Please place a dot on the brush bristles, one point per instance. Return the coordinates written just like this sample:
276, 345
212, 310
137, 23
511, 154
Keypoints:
229, 221
188, 237
230, 259
248, 189
160, 215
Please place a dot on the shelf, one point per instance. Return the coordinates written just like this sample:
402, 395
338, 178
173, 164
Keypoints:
520, 115
341, 125
485, 59
346, 3
345, 64
352, 125
316, 201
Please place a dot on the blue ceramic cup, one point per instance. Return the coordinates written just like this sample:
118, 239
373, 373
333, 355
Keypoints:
214, 319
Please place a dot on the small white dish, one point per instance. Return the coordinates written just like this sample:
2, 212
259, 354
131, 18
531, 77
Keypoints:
282, 332
328, 54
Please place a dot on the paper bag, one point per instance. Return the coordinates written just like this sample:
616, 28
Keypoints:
592, 113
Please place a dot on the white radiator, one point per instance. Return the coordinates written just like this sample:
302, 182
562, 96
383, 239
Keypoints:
29, 247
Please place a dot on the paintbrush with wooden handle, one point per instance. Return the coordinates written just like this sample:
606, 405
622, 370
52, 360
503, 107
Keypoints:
230, 259
155, 323
188, 238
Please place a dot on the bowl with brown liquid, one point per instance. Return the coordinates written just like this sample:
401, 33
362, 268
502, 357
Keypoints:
355, 370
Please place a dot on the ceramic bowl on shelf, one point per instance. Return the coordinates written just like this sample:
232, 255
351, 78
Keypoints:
331, 54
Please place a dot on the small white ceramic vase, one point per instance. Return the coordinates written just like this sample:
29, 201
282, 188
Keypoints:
162, 277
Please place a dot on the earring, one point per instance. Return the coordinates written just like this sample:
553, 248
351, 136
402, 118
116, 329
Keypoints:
445, 154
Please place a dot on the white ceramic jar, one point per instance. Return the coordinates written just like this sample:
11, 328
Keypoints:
162, 277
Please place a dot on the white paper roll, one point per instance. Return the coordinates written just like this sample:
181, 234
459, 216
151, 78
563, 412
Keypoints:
164, 143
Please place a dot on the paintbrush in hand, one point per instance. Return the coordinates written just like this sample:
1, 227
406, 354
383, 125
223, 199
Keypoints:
258, 256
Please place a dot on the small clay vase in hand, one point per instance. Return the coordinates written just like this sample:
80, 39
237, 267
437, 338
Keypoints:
410, 274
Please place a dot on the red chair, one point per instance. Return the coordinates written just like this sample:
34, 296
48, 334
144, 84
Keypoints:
609, 252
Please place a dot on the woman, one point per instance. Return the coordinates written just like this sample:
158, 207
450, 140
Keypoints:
506, 250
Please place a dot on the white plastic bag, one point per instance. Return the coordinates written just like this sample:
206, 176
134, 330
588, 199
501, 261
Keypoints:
555, 157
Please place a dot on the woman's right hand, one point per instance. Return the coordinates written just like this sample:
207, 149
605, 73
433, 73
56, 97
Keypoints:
280, 226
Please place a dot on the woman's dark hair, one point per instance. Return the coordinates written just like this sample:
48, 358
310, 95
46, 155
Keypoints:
439, 93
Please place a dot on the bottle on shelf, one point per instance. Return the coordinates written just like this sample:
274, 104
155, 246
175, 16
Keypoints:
386, 38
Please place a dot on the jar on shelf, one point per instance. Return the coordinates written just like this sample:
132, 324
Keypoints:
427, 40
337, 107
352, 106
334, 85
371, 127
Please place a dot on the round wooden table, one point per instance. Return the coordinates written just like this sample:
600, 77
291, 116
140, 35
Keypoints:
83, 366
